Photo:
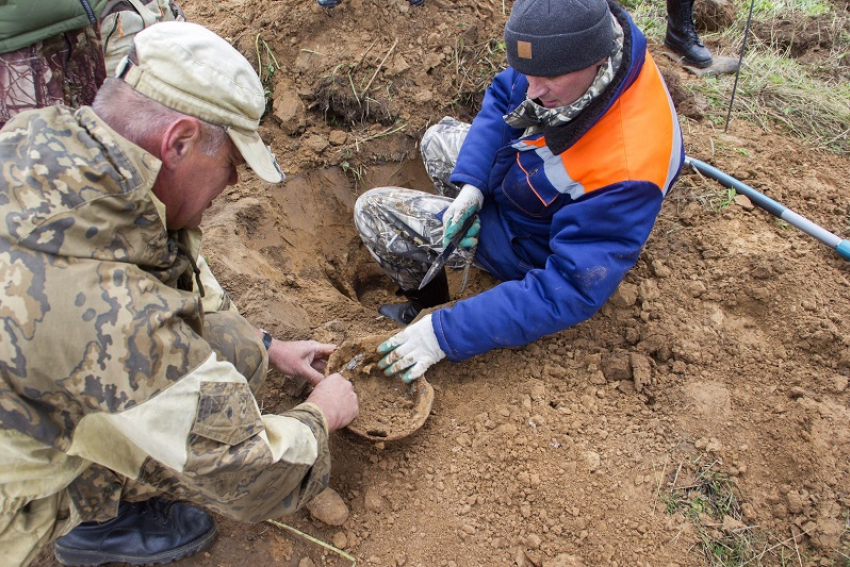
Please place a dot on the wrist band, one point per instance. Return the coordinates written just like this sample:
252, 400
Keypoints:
267, 338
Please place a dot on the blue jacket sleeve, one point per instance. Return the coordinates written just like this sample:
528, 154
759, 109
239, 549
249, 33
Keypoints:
489, 132
595, 241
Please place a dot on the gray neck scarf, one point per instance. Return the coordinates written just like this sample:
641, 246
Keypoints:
532, 117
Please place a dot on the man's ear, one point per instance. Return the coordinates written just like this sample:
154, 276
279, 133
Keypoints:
179, 140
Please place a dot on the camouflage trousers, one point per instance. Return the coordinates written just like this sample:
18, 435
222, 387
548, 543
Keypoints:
440, 148
64, 69
28, 525
403, 228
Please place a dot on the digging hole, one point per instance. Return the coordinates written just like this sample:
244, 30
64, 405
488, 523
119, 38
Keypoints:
312, 226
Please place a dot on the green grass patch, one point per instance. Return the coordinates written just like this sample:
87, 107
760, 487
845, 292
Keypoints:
806, 97
710, 500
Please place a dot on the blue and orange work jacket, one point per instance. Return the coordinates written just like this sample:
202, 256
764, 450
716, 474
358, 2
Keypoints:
561, 230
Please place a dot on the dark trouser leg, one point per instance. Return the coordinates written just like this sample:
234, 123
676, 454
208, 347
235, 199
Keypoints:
682, 35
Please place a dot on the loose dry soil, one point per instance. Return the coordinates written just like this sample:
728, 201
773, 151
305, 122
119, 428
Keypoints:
722, 361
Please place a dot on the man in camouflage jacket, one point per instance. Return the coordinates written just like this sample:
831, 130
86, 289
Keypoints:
125, 373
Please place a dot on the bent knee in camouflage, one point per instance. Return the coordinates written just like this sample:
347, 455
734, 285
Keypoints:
402, 230
440, 149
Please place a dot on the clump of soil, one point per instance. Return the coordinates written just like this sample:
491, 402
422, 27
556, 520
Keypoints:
389, 409
338, 102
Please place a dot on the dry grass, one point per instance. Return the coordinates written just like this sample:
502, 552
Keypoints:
796, 72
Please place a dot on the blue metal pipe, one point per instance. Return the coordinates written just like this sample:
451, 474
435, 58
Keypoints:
776, 209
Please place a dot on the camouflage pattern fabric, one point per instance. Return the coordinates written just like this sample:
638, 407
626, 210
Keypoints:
117, 380
401, 229
64, 69
440, 148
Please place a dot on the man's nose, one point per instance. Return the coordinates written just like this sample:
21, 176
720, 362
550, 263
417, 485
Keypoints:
536, 88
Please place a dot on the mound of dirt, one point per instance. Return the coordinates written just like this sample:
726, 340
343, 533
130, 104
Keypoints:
722, 360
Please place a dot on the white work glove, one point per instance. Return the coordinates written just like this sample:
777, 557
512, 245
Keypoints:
409, 353
468, 202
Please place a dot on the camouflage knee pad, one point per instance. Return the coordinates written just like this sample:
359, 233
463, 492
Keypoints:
440, 148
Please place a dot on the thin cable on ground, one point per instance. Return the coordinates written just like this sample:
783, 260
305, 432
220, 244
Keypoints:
314, 540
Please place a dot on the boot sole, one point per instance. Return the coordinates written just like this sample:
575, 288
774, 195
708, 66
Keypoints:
80, 558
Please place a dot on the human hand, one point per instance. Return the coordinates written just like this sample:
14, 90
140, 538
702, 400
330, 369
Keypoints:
336, 398
409, 353
468, 202
304, 359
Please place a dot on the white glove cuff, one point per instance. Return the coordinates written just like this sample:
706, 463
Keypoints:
471, 193
429, 339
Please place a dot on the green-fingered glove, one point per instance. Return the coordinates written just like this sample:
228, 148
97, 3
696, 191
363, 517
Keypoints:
468, 202
409, 353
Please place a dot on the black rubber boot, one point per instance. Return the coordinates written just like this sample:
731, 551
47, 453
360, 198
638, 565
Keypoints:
435, 293
682, 35
144, 533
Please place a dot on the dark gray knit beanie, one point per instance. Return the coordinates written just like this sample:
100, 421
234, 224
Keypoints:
546, 38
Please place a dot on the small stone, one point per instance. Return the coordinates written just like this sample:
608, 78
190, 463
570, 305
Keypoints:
593, 460
625, 296
538, 392
695, 289
337, 137
617, 367
744, 202
328, 507
533, 541
641, 370
339, 540
373, 500
316, 143
660, 270
795, 502
463, 440
288, 109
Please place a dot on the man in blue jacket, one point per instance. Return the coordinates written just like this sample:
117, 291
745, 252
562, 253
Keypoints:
566, 166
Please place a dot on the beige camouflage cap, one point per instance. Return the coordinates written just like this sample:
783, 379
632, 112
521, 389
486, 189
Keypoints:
192, 70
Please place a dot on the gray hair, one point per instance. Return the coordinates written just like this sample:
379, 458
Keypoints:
140, 119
